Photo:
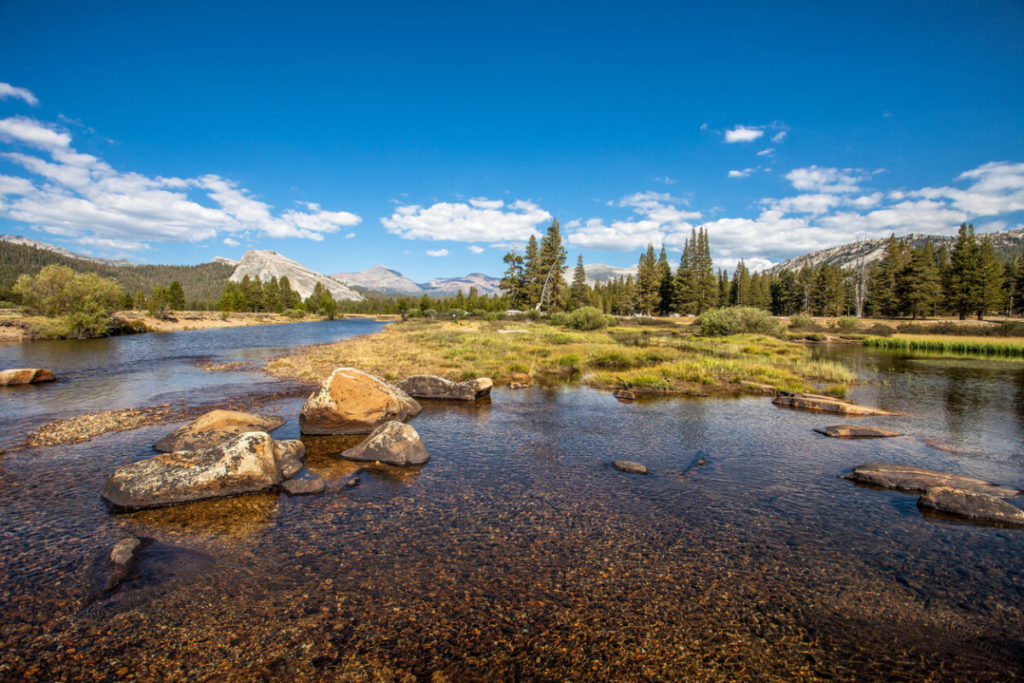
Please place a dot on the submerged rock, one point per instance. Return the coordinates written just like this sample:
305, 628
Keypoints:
431, 386
304, 484
290, 456
246, 464
972, 505
856, 432
910, 479
16, 376
214, 428
121, 561
630, 467
825, 404
393, 443
351, 401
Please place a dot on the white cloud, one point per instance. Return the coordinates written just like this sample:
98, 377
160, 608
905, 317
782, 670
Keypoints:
745, 173
80, 196
743, 134
8, 90
666, 180
779, 137
475, 249
996, 188
437, 252
766, 152
231, 242
815, 204
661, 222
818, 179
479, 220
350, 235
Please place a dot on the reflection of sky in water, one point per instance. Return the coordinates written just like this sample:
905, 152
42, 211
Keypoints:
138, 370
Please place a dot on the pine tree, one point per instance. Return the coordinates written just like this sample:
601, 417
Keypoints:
666, 288
918, 287
963, 281
552, 256
740, 293
533, 279
724, 287
990, 279
705, 287
648, 280
140, 301
578, 290
685, 283
513, 281
290, 299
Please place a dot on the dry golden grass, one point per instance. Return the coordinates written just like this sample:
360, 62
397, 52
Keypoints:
648, 359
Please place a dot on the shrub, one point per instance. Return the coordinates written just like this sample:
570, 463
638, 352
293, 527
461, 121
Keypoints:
588, 318
803, 323
847, 323
560, 318
719, 322
85, 301
569, 361
294, 313
880, 330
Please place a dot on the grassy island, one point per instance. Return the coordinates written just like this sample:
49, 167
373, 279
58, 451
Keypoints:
666, 358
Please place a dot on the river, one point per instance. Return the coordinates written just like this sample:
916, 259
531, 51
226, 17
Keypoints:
518, 552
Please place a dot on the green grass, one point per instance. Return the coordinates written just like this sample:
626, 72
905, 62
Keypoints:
949, 345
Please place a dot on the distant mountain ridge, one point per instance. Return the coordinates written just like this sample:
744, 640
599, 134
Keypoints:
866, 252
600, 273
386, 280
262, 265
26, 242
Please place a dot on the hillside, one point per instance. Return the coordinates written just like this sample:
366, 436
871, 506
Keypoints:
1007, 245
262, 265
202, 283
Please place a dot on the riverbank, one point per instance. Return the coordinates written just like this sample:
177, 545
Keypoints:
18, 327
646, 359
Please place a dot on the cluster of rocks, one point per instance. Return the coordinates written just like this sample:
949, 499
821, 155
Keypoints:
953, 494
228, 453
18, 376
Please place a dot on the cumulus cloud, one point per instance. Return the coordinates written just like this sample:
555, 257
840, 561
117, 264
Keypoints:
478, 220
659, 221
350, 235
231, 242
743, 134
81, 197
779, 137
819, 179
437, 252
475, 249
8, 90
766, 152
745, 173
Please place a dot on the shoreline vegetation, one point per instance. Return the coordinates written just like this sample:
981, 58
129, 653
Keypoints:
665, 357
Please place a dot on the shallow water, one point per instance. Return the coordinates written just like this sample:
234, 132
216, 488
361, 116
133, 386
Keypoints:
518, 552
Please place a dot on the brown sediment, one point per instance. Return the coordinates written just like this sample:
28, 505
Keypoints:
84, 427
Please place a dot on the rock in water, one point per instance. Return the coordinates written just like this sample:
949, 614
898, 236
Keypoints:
246, 464
972, 505
824, 404
910, 479
430, 386
290, 456
121, 561
856, 432
216, 427
393, 443
630, 467
625, 395
304, 484
351, 401
17, 376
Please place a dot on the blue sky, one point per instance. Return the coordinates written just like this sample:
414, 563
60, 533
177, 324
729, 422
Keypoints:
435, 138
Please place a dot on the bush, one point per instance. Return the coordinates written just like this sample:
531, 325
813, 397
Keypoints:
879, 330
294, 313
847, 323
804, 323
588, 318
84, 301
719, 322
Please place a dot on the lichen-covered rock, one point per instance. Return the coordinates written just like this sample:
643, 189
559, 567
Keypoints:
910, 479
824, 404
630, 467
351, 401
393, 443
246, 464
16, 376
214, 428
856, 432
972, 505
431, 386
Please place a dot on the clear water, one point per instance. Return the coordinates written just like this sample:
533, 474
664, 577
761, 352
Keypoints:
518, 552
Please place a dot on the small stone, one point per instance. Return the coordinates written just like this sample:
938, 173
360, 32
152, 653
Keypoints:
856, 432
124, 551
353, 482
517, 385
304, 484
625, 395
630, 467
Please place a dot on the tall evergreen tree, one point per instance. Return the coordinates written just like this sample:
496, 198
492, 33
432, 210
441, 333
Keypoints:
918, 287
884, 277
705, 287
513, 283
990, 279
533, 279
740, 294
666, 288
648, 282
176, 296
685, 282
578, 289
963, 281
552, 269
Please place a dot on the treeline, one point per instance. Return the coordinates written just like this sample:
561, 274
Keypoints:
202, 284
276, 296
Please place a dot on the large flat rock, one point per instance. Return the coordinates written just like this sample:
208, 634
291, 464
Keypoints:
856, 432
215, 428
351, 401
825, 404
431, 386
910, 479
249, 463
971, 505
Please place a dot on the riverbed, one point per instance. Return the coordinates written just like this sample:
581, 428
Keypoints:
518, 552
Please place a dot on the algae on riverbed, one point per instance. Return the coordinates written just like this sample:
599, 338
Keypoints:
663, 359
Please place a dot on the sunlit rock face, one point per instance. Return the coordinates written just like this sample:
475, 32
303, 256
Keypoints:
351, 401
262, 265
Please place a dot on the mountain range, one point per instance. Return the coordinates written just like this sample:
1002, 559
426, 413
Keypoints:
389, 281
263, 265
